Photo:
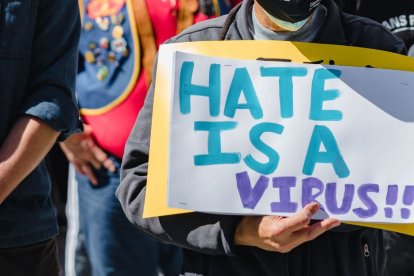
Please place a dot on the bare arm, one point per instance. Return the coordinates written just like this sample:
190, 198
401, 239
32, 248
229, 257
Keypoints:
26, 145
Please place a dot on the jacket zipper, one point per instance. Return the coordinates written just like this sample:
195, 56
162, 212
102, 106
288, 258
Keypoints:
367, 256
366, 250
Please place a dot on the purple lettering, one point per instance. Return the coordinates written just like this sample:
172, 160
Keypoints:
250, 196
285, 205
308, 184
372, 208
331, 201
408, 199
391, 199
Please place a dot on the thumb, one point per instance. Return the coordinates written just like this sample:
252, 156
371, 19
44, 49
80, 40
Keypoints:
87, 129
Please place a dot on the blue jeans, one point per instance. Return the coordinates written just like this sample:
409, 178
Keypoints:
113, 245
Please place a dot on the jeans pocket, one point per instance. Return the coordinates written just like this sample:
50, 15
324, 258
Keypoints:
15, 18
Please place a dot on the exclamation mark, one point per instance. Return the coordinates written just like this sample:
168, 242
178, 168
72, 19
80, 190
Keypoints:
408, 199
391, 200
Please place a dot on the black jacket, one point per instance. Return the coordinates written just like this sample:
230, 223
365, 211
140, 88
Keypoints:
208, 239
397, 16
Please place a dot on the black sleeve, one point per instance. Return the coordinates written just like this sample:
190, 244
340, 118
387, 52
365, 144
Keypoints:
51, 89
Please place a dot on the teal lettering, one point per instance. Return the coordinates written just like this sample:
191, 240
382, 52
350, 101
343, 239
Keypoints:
215, 155
285, 75
242, 82
319, 95
322, 135
273, 156
187, 89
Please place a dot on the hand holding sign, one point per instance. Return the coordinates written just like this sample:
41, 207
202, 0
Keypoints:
282, 234
396, 202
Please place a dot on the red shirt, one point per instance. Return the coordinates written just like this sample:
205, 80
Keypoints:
111, 129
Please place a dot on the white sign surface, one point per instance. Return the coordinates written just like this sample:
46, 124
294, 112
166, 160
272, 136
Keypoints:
262, 137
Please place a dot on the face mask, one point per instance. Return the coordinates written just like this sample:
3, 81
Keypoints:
291, 11
293, 27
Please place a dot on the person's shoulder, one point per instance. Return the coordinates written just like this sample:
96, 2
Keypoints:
205, 30
372, 34
357, 21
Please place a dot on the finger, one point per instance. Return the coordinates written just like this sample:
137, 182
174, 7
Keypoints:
301, 219
95, 163
99, 154
78, 168
90, 151
87, 143
87, 129
311, 232
103, 159
90, 157
320, 227
89, 173
109, 165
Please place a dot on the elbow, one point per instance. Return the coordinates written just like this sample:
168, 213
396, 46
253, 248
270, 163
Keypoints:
131, 200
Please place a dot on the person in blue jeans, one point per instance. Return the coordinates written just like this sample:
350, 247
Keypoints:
118, 44
121, 246
38, 61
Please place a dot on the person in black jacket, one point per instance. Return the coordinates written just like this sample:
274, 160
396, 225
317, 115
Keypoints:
262, 245
398, 17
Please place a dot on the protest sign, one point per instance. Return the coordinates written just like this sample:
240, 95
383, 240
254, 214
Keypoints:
267, 137
295, 52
